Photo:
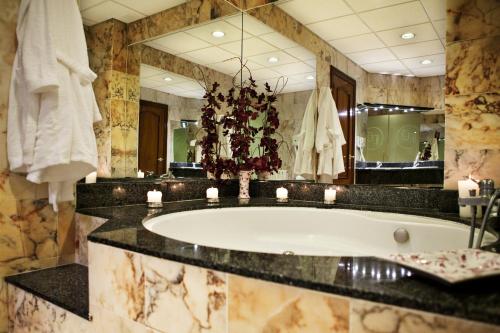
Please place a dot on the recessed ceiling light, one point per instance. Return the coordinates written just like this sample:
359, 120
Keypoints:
390, 110
411, 109
408, 35
410, 75
396, 74
310, 77
218, 34
426, 62
167, 78
272, 60
383, 73
397, 108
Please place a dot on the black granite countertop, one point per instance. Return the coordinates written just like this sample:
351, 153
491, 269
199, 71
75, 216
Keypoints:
366, 278
65, 286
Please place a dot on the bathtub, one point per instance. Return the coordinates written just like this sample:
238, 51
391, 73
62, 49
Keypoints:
310, 231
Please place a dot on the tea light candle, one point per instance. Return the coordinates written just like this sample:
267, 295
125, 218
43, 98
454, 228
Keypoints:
464, 186
154, 198
212, 194
282, 194
140, 174
91, 178
330, 195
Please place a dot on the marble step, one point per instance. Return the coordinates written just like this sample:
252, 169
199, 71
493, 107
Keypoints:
65, 286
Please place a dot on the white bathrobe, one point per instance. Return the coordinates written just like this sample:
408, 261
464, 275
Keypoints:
329, 137
52, 106
304, 140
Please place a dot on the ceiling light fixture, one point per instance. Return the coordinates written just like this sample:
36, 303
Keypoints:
408, 35
218, 34
310, 77
410, 75
390, 110
167, 78
396, 74
272, 60
426, 62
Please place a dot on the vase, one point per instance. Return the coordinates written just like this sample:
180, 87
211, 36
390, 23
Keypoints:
245, 184
263, 175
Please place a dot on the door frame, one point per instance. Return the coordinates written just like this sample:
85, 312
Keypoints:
351, 148
164, 108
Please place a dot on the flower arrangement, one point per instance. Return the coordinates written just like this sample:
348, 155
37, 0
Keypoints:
244, 105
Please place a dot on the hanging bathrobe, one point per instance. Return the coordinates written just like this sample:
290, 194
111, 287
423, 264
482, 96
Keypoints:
304, 140
52, 106
329, 137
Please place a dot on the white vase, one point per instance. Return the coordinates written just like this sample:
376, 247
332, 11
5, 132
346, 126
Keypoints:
245, 184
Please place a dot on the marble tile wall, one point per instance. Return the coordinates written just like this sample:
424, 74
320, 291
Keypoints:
472, 91
32, 235
84, 225
117, 95
156, 295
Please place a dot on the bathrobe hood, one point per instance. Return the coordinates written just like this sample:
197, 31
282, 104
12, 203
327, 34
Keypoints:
52, 106
329, 137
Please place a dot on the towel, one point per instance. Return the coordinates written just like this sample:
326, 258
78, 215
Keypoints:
329, 137
304, 140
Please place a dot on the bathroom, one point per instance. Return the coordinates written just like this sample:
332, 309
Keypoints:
167, 231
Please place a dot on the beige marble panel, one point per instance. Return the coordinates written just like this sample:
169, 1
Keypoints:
28, 313
176, 18
183, 299
4, 308
473, 66
368, 317
460, 163
263, 307
472, 19
84, 225
116, 282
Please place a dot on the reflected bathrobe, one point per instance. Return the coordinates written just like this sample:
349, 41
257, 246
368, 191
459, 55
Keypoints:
52, 106
304, 140
329, 137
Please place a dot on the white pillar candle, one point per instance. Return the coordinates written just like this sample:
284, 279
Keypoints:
281, 193
464, 186
91, 178
330, 195
212, 193
154, 196
140, 174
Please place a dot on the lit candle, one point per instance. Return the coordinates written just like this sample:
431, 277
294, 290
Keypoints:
464, 186
154, 198
140, 174
212, 194
282, 194
91, 178
330, 195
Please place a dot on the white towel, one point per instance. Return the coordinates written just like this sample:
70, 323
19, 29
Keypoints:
52, 105
329, 137
304, 140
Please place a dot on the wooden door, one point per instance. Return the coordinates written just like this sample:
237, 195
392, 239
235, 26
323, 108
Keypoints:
344, 93
153, 119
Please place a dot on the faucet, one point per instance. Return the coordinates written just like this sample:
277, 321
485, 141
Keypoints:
415, 163
379, 164
493, 199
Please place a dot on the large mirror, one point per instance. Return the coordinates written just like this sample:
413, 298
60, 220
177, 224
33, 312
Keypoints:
386, 80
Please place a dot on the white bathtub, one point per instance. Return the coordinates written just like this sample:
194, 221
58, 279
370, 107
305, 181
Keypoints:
310, 231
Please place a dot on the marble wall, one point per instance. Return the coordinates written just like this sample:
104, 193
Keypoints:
472, 99
155, 295
117, 95
32, 235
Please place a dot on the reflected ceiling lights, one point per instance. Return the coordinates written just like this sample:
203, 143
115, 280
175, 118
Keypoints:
167, 78
272, 60
396, 74
408, 35
310, 77
426, 62
218, 34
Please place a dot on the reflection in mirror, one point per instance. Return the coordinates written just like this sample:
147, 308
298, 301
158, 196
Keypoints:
269, 56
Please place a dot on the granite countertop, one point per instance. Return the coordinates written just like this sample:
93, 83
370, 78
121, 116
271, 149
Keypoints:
65, 286
349, 276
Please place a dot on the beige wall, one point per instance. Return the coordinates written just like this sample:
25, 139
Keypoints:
472, 91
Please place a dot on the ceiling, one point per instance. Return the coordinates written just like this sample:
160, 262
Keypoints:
366, 31
154, 78
369, 32
261, 43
